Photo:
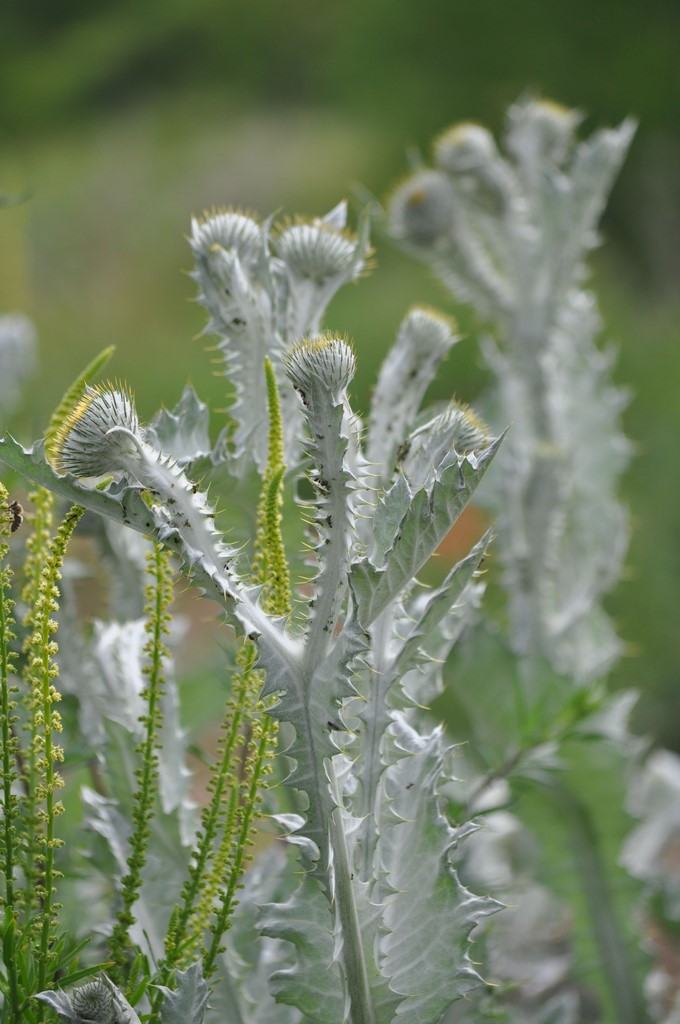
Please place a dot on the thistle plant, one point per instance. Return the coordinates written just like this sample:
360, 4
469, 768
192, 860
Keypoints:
507, 230
378, 879
365, 766
508, 233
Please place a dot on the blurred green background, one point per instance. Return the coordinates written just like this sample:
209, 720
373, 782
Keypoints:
120, 119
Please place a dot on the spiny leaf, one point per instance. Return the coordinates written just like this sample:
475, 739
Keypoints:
314, 985
424, 524
439, 604
428, 961
188, 1002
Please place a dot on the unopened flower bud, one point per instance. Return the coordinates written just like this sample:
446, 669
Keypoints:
230, 230
464, 147
95, 437
421, 210
325, 360
541, 130
317, 251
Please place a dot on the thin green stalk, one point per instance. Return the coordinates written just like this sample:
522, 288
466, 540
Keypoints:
8, 828
41, 520
159, 597
226, 831
48, 753
269, 550
257, 770
196, 904
625, 996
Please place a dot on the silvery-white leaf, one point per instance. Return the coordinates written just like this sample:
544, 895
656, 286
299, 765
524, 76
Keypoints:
182, 432
187, 1002
61, 1004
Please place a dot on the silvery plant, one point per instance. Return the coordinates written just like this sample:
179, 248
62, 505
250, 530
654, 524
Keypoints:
404, 879
550, 762
369, 920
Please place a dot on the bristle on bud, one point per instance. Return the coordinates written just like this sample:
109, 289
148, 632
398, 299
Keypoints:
85, 444
325, 359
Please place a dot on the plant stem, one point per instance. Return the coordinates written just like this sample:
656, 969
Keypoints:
9, 749
159, 596
250, 805
616, 966
47, 722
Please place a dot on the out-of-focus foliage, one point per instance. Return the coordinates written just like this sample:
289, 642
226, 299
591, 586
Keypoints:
420, 65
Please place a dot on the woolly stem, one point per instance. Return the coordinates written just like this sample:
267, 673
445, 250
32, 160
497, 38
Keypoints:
354, 960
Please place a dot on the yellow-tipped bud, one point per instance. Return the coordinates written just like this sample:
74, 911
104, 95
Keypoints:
326, 359
87, 442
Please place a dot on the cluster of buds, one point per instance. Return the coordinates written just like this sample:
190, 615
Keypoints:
266, 286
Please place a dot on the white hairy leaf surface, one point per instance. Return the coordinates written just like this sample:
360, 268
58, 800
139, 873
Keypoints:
428, 961
401, 659
423, 341
187, 1002
314, 984
182, 432
429, 516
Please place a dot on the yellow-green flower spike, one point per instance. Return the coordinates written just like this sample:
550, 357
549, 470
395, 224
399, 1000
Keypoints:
270, 566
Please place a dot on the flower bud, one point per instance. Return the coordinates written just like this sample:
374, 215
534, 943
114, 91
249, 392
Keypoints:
230, 230
94, 1003
326, 359
541, 130
317, 251
95, 437
464, 147
421, 210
